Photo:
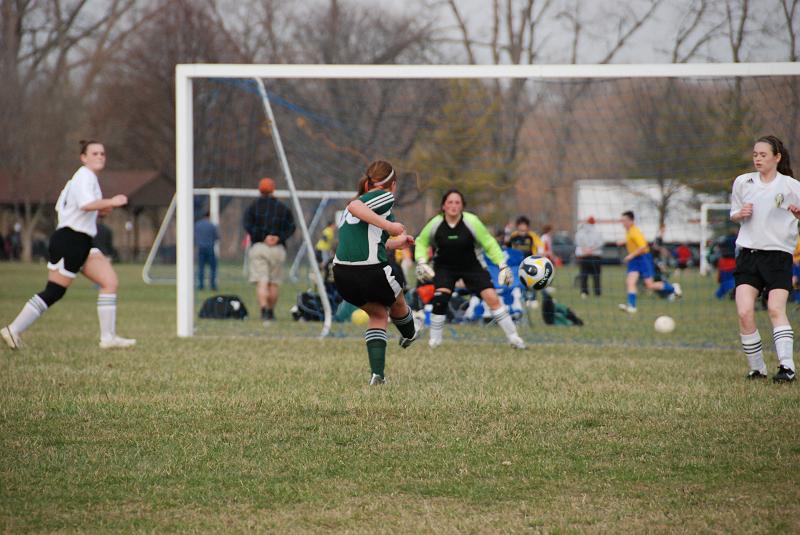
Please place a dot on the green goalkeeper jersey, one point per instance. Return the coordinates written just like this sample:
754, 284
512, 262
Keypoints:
362, 244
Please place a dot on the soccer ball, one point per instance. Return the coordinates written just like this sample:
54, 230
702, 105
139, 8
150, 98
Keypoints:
664, 324
536, 272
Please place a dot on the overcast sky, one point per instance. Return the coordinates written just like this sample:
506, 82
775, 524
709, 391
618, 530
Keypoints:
766, 39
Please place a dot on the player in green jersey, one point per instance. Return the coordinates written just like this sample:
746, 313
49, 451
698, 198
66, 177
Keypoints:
367, 229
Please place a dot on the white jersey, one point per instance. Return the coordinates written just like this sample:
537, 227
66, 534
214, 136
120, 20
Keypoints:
772, 227
80, 190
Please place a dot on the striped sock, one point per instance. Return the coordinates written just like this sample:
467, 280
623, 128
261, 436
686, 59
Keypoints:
784, 345
437, 326
751, 345
405, 324
107, 315
34, 308
376, 349
503, 319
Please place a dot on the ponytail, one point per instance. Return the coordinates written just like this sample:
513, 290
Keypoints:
785, 163
379, 174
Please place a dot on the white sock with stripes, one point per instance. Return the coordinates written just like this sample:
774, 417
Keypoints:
784, 345
34, 308
107, 315
751, 345
437, 326
503, 319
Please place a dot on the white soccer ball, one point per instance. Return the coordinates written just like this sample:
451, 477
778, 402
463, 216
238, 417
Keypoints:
664, 324
536, 272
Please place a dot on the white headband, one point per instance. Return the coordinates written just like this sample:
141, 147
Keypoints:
385, 180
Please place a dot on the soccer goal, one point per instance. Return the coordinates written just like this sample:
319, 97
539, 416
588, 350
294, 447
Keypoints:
516, 140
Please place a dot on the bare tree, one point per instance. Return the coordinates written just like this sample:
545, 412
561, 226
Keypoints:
515, 38
52, 52
695, 29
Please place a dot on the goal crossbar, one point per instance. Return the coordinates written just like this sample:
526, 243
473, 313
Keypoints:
648, 70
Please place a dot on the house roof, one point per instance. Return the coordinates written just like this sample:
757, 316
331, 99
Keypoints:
143, 188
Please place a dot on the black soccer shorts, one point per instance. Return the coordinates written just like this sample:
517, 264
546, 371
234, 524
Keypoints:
476, 279
373, 283
67, 251
764, 270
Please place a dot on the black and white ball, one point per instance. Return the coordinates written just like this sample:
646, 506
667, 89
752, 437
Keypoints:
536, 272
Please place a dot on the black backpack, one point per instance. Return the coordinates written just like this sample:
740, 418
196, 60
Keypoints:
308, 307
223, 307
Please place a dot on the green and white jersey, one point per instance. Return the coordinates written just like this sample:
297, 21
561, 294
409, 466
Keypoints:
362, 244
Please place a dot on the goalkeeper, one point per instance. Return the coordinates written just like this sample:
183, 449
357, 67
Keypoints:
457, 239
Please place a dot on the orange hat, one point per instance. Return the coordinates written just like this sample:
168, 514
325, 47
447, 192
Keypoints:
266, 186
590, 220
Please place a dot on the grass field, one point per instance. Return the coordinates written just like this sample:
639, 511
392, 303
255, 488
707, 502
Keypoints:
232, 432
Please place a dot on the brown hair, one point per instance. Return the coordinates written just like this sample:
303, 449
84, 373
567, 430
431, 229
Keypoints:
785, 164
450, 192
376, 173
84, 143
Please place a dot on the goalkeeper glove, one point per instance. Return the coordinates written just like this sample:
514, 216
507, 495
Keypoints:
505, 276
424, 273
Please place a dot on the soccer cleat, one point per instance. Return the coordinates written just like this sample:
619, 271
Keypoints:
117, 342
784, 375
532, 303
434, 343
516, 342
755, 374
677, 290
11, 339
377, 380
627, 308
405, 342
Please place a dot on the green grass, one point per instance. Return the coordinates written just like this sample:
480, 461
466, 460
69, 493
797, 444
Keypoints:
278, 432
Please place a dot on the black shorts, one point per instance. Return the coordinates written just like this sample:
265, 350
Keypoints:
68, 251
764, 270
359, 285
476, 279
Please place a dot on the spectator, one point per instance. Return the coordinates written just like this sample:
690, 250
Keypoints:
205, 238
15, 241
588, 251
684, 255
269, 223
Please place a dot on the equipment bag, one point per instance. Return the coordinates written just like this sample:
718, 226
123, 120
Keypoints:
223, 307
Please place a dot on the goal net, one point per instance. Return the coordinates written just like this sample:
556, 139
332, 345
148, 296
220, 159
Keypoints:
556, 144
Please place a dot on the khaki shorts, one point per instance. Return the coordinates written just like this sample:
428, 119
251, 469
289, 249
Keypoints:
265, 263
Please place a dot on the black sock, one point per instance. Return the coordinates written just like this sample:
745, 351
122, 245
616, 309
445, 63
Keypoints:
405, 324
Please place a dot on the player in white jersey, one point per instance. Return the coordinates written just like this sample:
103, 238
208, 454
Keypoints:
71, 251
767, 205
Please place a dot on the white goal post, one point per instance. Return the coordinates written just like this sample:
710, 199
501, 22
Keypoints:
185, 74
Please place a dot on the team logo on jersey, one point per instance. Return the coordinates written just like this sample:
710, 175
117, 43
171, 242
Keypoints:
778, 200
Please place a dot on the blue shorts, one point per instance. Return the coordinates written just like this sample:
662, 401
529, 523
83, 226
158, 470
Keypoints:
644, 265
